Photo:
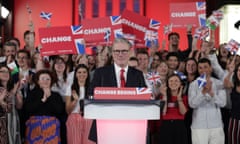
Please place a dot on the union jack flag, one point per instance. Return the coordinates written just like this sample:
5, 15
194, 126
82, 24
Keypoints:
76, 30
143, 90
45, 15
201, 33
130, 37
115, 20
107, 35
181, 75
29, 10
154, 24
118, 33
168, 29
201, 5
218, 14
232, 46
201, 15
151, 37
202, 81
80, 46
153, 78
202, 19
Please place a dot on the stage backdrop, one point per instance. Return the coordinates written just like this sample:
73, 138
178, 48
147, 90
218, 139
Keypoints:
66, 13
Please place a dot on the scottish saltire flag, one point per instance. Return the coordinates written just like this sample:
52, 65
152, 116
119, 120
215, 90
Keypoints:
107, 35
80, 46
202, 81
13, 68
201, 33
76, 30
45, 15
232, 46
153, 78
143, 90
201, 6
151, 37
29, 10
115, 20
181, 75
218, 14
167, 29
154, 24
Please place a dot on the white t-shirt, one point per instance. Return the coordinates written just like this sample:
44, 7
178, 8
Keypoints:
81, 92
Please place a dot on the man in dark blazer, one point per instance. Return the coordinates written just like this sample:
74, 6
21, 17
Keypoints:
109, 76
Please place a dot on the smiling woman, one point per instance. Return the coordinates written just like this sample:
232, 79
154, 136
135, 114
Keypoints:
173, 129
44, 108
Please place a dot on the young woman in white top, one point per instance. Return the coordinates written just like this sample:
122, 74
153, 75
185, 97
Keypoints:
77, 127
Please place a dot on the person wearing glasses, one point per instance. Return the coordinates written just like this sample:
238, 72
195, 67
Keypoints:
44, 109
109, 76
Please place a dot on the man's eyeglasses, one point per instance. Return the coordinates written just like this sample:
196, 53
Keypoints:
120, 51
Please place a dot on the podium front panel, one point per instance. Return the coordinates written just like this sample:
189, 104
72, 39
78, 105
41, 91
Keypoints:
122, 111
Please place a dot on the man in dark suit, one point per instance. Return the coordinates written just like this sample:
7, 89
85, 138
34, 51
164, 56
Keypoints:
111, 76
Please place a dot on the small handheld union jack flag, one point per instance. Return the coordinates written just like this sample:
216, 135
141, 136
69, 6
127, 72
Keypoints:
167, 29
150, 38
45, 15
153, 78
232, 46
202, 81
201, 33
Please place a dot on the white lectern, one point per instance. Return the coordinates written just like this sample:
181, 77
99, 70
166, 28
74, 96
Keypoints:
122, 121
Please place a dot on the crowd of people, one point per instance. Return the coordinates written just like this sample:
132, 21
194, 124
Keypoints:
43, 101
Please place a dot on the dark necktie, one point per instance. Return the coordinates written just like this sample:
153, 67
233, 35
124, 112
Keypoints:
122, 79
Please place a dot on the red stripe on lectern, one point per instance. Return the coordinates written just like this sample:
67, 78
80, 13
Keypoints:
102, 8
129, 4
88, 9
116, 7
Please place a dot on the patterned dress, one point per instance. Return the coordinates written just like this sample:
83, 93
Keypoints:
3, 118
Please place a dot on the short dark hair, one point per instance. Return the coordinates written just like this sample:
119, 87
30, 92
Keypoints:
173, 33
142, 51
172, 54
204, 60
24, 51
8, 43
133, 59
27, 32
15, 39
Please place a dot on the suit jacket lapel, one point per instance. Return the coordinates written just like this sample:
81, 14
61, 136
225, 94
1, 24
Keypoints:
113, 78
129, 76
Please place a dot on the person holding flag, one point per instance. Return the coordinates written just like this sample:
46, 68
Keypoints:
206, 96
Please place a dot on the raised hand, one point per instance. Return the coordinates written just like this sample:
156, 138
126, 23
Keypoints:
179, 96
75, 95
46, 94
